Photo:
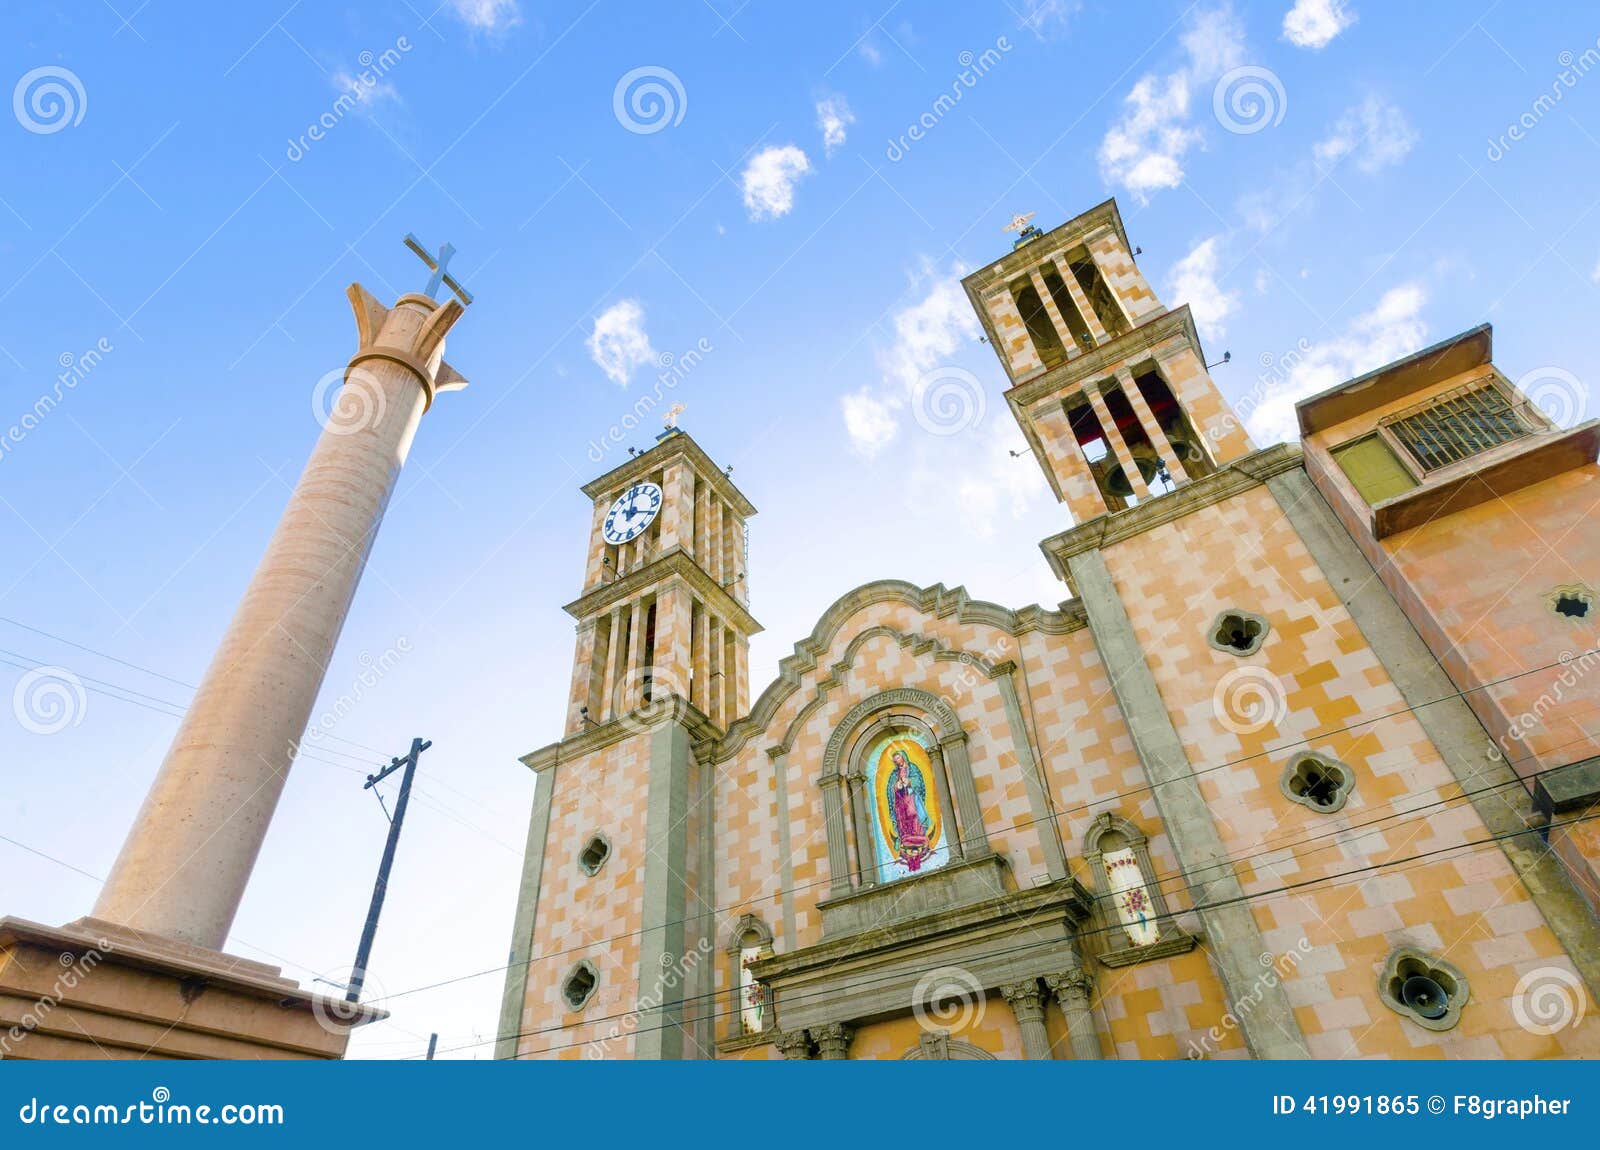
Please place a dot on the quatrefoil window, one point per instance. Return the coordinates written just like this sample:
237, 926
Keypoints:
1574, 601
1238, 632
594, 854
1427, 990
1318, 782
579, 985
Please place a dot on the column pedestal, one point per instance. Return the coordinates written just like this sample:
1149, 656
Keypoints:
93, 990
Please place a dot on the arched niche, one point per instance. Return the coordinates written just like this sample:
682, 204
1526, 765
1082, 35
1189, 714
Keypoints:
846, 771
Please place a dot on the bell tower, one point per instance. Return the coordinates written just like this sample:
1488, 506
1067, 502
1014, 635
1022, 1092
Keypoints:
665, 603
1109, 386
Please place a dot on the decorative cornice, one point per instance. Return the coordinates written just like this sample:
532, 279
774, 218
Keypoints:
1067, 896
1103, 530
666, 709
1059, 238
1106, 358
647, 461
674, 562
937, 601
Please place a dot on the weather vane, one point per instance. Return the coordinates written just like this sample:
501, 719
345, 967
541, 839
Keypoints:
1025, 231
438, 268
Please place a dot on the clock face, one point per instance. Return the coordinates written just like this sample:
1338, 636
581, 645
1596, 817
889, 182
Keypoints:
633, 511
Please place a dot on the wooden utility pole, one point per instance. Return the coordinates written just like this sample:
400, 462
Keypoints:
381, 887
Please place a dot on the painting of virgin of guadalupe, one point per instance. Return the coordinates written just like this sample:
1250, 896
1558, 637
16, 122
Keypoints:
909, 823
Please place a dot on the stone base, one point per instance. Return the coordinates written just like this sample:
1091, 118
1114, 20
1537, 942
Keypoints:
95, 990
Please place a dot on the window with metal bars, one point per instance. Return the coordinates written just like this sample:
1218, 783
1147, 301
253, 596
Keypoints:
1459, 425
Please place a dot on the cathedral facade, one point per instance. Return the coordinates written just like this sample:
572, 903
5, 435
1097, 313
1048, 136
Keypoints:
1303, 765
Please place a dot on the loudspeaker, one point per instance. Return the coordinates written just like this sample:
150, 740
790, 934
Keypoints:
1425, 996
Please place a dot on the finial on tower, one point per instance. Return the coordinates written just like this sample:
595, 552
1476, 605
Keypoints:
671, 420
1025, 231
437, 267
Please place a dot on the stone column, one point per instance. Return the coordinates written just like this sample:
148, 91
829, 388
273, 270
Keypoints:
833, 822
1057, 320
1114, 441
184, 866
833, 1041
608, 689
1091, 318
866, 848
974, 838
1170, 455
1071, 989
1027, 1003
794, 1044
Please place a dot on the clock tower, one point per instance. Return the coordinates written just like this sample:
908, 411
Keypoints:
616, 919
665, 603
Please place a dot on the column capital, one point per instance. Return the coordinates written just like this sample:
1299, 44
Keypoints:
833, 1039
794, 1044
411, 334
1075, 985
1025, 998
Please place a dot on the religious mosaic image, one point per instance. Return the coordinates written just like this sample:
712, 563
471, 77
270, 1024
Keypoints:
908, 823
1132, 898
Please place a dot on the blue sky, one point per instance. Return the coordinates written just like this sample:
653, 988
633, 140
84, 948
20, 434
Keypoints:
174, 239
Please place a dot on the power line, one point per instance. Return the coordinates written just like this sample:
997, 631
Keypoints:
1055, 817
1243, 899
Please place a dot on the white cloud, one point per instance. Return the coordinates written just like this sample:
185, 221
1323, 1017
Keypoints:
869, 421
1376, 133
1047, 19
833, 118
1392, 329
927, 334
368, 94
1194, 282
1314, 23
1144, 150
769, 181
488, 15
619, 344
870, 53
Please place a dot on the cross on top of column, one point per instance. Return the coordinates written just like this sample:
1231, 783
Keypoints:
438, 267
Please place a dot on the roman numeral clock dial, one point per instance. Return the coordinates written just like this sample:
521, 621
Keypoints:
634, 510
